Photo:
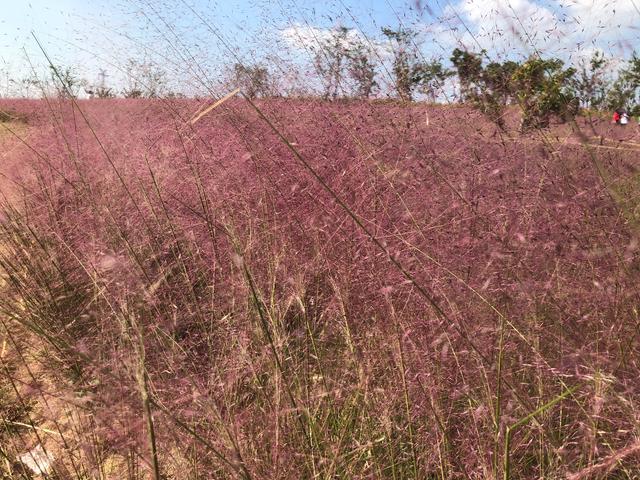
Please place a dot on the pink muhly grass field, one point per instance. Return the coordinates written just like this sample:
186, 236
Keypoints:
204, 269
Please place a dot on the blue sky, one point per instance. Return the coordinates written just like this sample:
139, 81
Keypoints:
96, 23
192, 36
93, 34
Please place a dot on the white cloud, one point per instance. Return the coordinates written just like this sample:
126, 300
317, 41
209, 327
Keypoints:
505, 28
610, 24
512, 27
303, 36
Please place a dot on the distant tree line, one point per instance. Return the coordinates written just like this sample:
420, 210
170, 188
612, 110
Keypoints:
144, 79
542, 87
349, 65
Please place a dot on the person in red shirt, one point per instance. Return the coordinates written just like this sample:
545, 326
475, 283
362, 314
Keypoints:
616, 117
